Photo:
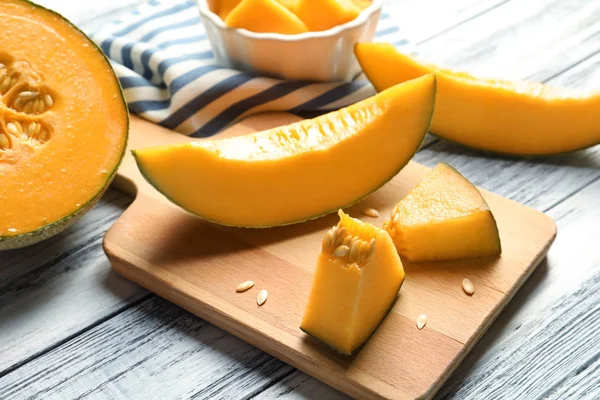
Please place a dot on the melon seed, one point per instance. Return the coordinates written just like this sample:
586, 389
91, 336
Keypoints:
31, 128
262, 297
421, 321
371, 247
28, 95
364, 250
242, 287
347, 241
4, 143
355, 251
48, 100
327, 240
11, 127
341, 251
468, 287
371, 212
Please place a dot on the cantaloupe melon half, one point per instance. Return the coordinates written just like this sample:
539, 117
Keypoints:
443, 218
522, 118
296, 172
63, 124
356, 281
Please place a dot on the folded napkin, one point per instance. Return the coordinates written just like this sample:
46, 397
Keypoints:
163, 59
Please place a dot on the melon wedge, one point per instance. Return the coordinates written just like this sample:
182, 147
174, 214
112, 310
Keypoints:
443, 218
299, 171
356, 281
320, 15
505, 117
266, 16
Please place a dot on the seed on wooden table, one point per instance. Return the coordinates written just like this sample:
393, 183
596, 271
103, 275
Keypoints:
421, 321
468, 287
371, 212
262, 297
341, 251
242, 287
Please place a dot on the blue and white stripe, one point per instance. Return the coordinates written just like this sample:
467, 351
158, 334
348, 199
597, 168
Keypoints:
163, 59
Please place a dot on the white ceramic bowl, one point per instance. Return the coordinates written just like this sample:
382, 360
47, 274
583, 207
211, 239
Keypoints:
313, 56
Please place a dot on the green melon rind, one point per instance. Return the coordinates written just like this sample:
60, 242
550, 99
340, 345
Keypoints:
56, 227
148, 179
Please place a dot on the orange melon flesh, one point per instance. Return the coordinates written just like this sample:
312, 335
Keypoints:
223, 7
63, 122
351, 295
320, 15
443, 218
266, 16
494, 115
363, 4
299, 171
289, 4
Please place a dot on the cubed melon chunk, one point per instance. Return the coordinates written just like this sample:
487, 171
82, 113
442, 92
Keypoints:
320, 15
266, 16
290, 4
356, 281
223, 7
443, 218
362, 4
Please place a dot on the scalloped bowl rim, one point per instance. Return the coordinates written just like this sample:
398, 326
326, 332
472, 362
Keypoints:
364, 16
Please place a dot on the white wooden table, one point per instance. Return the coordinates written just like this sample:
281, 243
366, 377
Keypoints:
71, 328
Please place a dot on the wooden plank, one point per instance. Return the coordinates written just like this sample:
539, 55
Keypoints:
51, 281
52, 291
549, 348
151, 351
423, 20
536, 39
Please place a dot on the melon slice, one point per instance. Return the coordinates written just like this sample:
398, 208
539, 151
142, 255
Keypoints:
299, 171
522, 118
320, 15
443, 218
266, 16
356, 281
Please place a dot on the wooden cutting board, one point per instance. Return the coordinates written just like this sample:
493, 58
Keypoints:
198, 265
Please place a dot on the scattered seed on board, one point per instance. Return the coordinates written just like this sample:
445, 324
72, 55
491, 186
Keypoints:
242, 287
468, 287
262, 297
371, 212
421, 321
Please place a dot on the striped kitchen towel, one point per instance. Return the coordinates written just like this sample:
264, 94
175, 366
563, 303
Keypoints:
166, 67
